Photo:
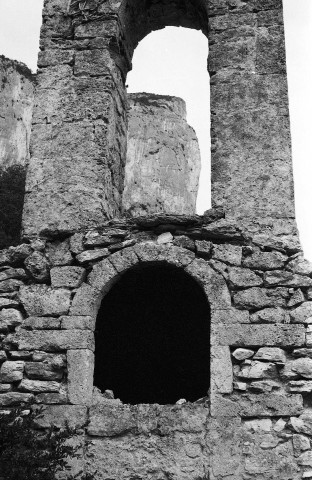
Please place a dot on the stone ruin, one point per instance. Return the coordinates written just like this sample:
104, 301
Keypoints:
228, 339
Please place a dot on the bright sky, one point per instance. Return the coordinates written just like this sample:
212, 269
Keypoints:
172, 59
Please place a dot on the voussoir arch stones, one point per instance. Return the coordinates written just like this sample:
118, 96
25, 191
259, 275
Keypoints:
107, 272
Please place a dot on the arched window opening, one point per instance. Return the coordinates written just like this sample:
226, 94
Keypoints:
152, 340
169, 62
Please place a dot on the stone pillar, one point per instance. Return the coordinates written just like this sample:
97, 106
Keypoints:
251, 147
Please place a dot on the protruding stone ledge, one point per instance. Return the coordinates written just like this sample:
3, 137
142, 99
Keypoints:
257, 405
52, 340
258, 335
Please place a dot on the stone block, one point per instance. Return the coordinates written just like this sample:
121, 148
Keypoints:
271, 355
257, 297
87, 301
299, 386
258, 335
59, 253
51, 398
270, 315
296, 298
303, 424
8, 303
9, 272
229, 316
41, 300
213, 284
242, 354
302, 366
203, 248
60, 416
38, 386
300, 265
151, 252
70, 277
42, 323
76, 243
53, 340
11, 371
10, 318
78, 323
92, 255
183, 241
47, 370
80, 367
257, 370
3, 356
264, 260
243, 278
110, 420
231, 254
124, 259
302, 314
256, 405
221, 371
283, 278
13, 399
10, 285
38, 266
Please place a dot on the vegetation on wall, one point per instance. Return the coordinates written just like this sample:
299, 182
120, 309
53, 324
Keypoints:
26, 454
12, 191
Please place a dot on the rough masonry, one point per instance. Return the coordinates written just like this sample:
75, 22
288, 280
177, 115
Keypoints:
163, 157
254, 423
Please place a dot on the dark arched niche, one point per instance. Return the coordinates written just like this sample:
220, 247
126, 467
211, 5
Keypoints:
138, 18
152, 340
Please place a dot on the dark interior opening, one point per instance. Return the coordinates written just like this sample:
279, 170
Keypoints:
152, 340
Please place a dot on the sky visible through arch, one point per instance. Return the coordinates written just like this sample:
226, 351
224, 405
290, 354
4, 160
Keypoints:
20, 22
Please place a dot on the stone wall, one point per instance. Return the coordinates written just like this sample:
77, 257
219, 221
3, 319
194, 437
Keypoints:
79, 126
163, 157
16, 105
255, 422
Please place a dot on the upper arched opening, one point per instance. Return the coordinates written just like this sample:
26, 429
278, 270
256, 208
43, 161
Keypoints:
141, 17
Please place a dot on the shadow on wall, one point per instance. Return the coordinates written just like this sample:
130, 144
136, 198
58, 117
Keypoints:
12, 191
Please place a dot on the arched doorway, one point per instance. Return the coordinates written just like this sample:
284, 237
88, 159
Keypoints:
152, 337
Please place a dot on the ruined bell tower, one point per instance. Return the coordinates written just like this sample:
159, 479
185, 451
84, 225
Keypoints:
230, 290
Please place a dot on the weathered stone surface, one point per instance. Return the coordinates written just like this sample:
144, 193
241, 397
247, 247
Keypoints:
163, 157
257, 370
300, 386
283, 278
150, 252
264, 260
213, 284
242, 353
73, 416
303, 424
221, 370
271, 354
103, 276
302, 366
59, 253
3, 356
42, 323
86, 302
80, 366
256, 405
38, 386
52, 340
263, 386
302, 314
230, 315
10, 285
124, 259
50, 369
18, 273
16, 105
92, 255
70, 277
12, 399
112, 236
76, 244
231, 254
109, 420
38, 266
10, 318
8, 303
43, 300
270, 315
260, 298
183, 241
243, 278
164, 238
11, 371
300, 265
258, 335
203, 248
78, 322
296, 299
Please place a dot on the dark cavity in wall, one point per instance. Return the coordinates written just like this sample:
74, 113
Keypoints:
152, 337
